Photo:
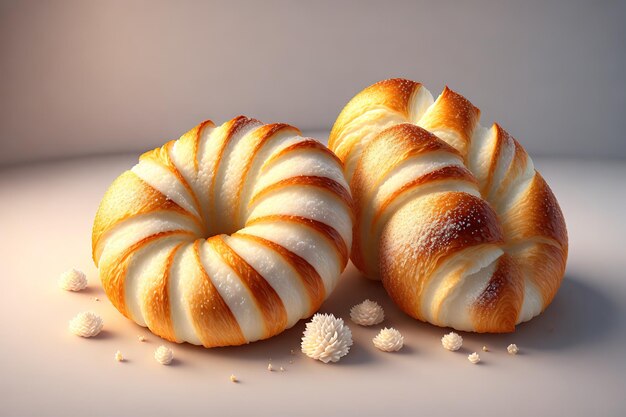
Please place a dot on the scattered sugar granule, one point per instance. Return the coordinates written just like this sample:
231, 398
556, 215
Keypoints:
452, 341
119, 357
96, 299
86, 324
141, 338
233, 378
291, 361
367, 313
326, 338
73, 280
485, 349
389, 340
270, 367
512, 349
282, 369
474, 358
293, 352
163, 355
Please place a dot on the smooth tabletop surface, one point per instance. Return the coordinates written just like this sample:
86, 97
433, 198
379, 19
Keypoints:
571, 359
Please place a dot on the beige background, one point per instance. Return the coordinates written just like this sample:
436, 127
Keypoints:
90, 77
81, 78
571, 361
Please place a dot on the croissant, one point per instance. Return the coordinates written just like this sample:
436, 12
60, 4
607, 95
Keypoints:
227, 235
451, 216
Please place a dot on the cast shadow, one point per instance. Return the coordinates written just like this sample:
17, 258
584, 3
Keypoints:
579, 315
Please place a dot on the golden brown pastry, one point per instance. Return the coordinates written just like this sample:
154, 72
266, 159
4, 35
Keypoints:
451, 216
227, 235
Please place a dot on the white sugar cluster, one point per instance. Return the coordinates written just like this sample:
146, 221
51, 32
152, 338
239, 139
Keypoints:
389, 340
163, 355
474, 358
512, 349
452, 341
326, 338
367, 313
73, 280
86, 324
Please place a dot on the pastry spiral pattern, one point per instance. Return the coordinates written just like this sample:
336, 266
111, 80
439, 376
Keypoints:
450, 215
227, 235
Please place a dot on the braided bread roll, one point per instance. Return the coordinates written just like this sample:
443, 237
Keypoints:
225, 236
451, 216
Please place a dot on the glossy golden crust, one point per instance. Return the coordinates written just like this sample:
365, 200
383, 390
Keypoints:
117, 206
394, 96
156, 300
212, 319
445, 206
447, 225
322, 183
307, 274
330, 234
497, 306
267, 300
261, 135
456, 116
160, 244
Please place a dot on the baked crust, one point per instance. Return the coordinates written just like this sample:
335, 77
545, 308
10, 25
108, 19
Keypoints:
227, 235
447, 210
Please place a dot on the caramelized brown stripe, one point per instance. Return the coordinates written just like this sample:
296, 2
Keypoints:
395, 94
119, 205
454, 112
264, 133
232, 127
449, 173
389, 149
309, 277
536, 214
325, 230
265, 297
497, 307
156, 301
310, 144
196, 142
114, 277
323, 183
543, 263
167, 161
501, 136
212, 319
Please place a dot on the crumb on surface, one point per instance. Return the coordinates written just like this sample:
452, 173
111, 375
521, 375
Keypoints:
86, 324
485, 349
389, 340
282, 369
270, 367
367, 313
233, 378
326, 338
119, 357
164, 355
141, 338
474, 358
452, 341
512, 349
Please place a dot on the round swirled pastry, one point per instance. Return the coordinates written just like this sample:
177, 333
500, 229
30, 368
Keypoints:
227, 235
451, 216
